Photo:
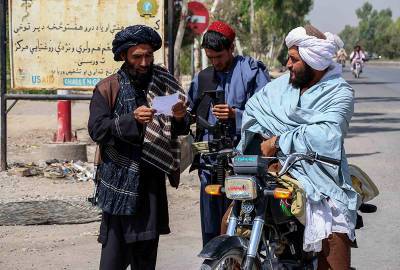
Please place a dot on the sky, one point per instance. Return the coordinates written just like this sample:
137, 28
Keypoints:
333, 15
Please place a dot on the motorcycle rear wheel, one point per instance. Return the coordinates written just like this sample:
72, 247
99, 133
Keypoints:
231, 260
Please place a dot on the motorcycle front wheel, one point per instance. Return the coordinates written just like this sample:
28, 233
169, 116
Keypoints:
230, 260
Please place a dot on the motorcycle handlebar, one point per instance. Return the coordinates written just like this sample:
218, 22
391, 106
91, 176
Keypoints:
311, 157
326, 159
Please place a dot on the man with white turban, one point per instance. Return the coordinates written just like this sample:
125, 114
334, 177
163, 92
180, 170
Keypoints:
307, 110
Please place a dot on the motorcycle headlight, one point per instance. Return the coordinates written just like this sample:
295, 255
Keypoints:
241, 188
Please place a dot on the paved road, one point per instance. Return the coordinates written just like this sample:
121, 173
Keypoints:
373, 144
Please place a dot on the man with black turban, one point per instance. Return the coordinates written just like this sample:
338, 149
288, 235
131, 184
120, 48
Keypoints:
137, 149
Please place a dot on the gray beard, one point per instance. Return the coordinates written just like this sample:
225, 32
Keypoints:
140, 80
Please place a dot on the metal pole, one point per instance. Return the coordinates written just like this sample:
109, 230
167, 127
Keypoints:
171, 36
192, 70
3, 82
64, 131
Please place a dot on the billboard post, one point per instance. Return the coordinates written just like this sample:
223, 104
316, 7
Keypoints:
3, 85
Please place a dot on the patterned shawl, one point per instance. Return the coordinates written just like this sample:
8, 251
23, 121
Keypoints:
159, 148
118, 175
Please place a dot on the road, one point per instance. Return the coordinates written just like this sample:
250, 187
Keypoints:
373, 144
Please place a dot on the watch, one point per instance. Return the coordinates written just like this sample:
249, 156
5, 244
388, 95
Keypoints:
277, 147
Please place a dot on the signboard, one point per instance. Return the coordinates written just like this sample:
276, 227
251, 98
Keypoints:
58, 44
199, 17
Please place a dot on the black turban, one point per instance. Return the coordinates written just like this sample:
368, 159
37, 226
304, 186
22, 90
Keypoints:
132, 36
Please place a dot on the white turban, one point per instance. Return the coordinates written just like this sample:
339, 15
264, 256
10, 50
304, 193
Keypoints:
316, 52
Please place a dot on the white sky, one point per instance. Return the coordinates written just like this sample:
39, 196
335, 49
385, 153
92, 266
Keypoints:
333, 15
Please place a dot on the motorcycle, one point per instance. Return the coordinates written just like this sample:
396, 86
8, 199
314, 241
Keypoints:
260, 204
341, 60
357, 68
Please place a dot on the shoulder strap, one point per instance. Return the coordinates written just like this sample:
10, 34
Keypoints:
207, 81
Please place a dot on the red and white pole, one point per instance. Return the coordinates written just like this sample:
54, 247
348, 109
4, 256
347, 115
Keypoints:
64, 131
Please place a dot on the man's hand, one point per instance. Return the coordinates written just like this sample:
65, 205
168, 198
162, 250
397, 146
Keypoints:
144, 114
268, 148
179, 110
223, 111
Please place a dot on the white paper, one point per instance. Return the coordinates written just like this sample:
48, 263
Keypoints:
164, 104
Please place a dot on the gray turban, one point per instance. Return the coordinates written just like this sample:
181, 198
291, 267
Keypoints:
132, 36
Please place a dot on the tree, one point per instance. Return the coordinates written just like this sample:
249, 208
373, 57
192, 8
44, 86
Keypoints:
392, 48
373, 27
283, 16
350, 37
376, 32
273, 19
179, 37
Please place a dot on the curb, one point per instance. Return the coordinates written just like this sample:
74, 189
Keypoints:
383, 63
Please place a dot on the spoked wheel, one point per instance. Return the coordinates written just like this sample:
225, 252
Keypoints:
231, 260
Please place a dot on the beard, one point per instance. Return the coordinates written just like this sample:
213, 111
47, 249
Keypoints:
139, 79
302, 77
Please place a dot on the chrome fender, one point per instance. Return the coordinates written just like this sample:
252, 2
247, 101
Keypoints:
221, 244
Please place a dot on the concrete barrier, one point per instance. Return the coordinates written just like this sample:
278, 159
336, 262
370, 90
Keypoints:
63, 151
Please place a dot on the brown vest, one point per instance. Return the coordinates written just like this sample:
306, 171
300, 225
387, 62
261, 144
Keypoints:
108, 88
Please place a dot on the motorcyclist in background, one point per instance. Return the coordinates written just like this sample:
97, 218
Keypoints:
341, 57
357, 55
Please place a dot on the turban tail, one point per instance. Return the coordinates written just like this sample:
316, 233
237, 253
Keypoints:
316, 52
132, 36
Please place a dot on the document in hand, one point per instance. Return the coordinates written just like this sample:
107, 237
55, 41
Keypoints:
164, 104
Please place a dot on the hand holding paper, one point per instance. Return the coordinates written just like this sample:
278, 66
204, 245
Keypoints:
143, 114
179, 110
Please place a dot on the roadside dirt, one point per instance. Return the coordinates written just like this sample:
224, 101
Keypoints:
30, 124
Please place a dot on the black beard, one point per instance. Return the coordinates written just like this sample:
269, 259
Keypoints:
140, 80
302, 79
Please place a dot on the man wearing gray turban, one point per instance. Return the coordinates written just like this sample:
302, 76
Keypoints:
309, 110
137, 150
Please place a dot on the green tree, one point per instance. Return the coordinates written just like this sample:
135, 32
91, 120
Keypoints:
273, 20
373, 27
392, 48
350, 36
376, 32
